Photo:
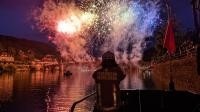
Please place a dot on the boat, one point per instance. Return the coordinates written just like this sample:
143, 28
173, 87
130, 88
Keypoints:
153, 101
1, 70
67, 73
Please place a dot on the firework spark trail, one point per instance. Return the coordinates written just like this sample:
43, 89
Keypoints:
87, 29
131, 24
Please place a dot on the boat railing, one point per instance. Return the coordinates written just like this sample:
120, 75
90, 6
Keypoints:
79, 101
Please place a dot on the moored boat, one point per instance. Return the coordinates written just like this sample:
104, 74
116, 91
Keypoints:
1, 70
67, 73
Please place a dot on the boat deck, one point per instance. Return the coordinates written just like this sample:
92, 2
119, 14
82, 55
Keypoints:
158, 101
154, 101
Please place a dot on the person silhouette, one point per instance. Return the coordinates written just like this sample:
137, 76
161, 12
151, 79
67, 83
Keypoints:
107, 80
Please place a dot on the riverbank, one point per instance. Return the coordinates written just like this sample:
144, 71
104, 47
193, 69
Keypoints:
184, 72
13, 68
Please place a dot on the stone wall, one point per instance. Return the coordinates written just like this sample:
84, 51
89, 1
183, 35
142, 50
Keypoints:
184, 72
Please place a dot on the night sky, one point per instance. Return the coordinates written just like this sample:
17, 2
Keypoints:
15, 21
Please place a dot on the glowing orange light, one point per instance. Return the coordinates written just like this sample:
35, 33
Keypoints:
70, 26
74, 23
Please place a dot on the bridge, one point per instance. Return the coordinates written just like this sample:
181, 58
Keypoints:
45, 65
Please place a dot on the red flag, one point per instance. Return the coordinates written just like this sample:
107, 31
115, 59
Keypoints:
169, 41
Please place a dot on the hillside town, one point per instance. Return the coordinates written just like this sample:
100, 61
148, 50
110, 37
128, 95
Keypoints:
9, 64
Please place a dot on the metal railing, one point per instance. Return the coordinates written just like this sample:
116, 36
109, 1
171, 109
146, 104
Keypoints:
79, 101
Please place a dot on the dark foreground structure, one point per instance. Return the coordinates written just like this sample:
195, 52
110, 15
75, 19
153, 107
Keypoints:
155, 101
159, 101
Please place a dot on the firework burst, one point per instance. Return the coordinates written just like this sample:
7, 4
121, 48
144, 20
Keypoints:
86, 29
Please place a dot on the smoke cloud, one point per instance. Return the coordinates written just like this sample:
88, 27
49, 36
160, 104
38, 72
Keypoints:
84, 30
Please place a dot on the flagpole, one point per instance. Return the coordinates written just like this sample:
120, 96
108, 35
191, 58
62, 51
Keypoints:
168, 9
171, 82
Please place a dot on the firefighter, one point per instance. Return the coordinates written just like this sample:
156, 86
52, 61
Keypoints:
107, 81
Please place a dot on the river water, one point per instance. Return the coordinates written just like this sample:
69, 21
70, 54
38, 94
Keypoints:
53, 92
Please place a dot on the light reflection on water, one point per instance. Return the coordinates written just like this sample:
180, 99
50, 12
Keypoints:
46, 92
71, 89
6, 87
53, 92
132, 79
